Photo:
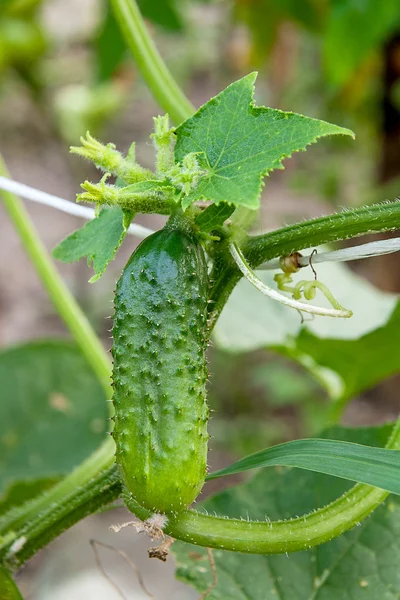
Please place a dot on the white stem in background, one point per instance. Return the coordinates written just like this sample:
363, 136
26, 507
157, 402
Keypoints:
29, 193
343, 255
267, 291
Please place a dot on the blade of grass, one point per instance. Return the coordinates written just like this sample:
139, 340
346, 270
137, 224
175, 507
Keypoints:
379, 467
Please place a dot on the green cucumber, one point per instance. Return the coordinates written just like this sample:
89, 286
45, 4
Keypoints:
159, 374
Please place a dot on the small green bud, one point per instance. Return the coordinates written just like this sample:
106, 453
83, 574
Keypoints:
131, 155
108, 159
164, 141
100, 193
105, 157
185, 175
143, 196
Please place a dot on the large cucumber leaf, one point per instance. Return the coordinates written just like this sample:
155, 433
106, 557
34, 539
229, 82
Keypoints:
53, 414
238, 143
346, 355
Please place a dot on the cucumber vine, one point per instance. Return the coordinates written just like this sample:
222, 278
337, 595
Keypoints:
208, 176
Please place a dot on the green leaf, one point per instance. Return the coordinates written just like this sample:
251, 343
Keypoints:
374, 466
359, 363
361, 564
347, 356
21, 491
214, 216
357, 29
162, 12
110, 46
52, 411
109, 43
8, 588
99, 240
239, 143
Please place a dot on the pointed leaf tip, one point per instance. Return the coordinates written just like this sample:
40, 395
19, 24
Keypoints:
241, 143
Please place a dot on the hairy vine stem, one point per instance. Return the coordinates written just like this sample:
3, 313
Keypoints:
331, 228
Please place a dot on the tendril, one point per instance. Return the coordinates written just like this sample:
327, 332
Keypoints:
285, 278
308, 289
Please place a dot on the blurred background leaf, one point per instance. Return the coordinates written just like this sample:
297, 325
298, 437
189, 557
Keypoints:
52, 416
353, 31
360, 363
342, 354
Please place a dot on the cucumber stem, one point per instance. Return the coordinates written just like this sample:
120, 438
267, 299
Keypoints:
276, 537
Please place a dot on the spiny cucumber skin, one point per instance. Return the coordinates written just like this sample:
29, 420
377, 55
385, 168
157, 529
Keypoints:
160, 371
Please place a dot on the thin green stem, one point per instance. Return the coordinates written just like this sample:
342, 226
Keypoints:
157, 75
241, 262
60, 295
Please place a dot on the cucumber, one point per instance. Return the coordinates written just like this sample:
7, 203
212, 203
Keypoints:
160, 372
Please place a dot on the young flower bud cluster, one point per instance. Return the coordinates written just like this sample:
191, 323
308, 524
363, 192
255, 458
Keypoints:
185, 175
107, 158
139, 189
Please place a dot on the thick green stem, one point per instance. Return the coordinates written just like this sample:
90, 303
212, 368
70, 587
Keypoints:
340, 226
260, 248
151, 65
60, 295
276, 537
94, 484
101, 460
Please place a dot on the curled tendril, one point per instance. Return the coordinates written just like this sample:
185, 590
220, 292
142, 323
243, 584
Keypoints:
245, 268
308, 289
